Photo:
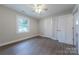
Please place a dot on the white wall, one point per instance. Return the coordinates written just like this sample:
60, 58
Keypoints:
48, 27
8, 26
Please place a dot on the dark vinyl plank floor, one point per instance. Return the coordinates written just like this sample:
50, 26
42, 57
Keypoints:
35, 46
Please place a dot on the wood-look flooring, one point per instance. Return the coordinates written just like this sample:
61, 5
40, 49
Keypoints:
36, 46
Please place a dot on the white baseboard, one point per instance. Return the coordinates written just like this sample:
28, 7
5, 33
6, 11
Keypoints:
48, 37
17, 40
57, 40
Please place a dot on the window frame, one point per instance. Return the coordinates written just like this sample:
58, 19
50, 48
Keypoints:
17, 26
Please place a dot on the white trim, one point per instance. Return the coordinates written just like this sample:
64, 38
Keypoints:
48, 37
55, 39
17, 40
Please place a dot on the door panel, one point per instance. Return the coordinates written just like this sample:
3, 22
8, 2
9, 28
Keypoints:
61, 29
55, 22
69, 29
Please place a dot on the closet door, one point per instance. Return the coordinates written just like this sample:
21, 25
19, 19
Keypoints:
47, 29
69, 29
60, 29
55, 27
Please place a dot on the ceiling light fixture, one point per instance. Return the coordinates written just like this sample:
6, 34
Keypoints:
38, 8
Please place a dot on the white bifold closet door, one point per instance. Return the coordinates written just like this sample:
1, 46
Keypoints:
63, 29
60, 29
47, 25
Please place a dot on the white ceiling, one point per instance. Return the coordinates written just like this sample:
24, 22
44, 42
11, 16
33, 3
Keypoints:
53, 9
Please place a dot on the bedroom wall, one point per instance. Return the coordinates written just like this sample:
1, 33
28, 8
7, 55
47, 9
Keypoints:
8, 26
48, 27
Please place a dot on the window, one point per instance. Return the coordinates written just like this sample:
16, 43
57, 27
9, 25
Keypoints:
22, 24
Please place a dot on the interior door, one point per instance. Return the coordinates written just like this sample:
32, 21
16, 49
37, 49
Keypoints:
55, 22
64, 29
61, 29
48, 28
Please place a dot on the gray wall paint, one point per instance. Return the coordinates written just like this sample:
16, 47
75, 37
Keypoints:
8, 26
